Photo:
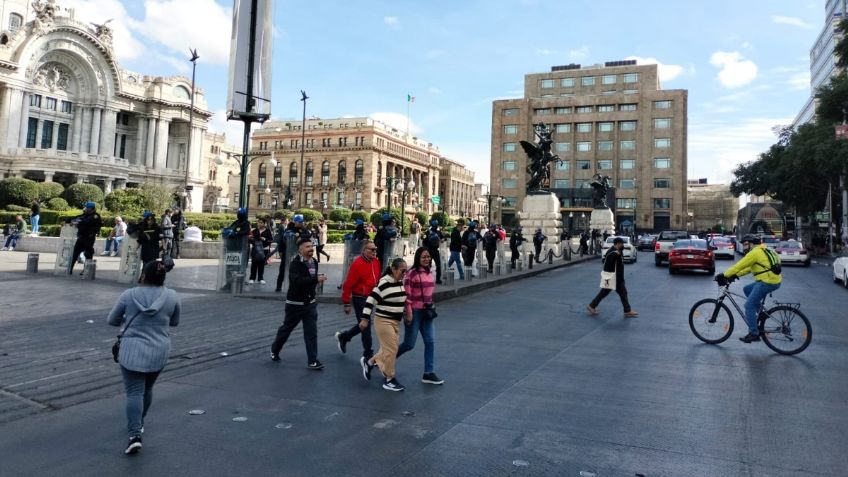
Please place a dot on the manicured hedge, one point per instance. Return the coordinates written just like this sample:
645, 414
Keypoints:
57, 203
49, 190
78, 194
17, 191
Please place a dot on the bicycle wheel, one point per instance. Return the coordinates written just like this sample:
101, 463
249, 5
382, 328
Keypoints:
785, 330
711, 321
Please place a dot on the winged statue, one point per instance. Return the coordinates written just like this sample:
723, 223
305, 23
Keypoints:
540, 157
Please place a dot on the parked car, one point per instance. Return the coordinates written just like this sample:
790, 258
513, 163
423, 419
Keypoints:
723, 247
792, 251
664, 243
691, 254
628, 253
840, 271
646, 242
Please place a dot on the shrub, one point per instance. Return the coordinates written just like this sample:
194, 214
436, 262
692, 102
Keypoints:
423, 218
17, 191
126, 201
310, 215
57, 203
377, 218
157, 198
209, 221
49, 190
335, 236
78, 194
212, 235
283, 214
17, 208
340, 215
359, 214
444, 219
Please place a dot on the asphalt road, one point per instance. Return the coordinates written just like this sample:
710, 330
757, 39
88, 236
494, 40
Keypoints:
534, 386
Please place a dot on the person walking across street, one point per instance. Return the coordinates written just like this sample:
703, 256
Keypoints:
414, 234
35, 216
515, 241
614, 263
455, 248
295, 231
88, 227
419, 286
538, 240
387, 302
145, 312
301, 305
261, 239
360, 280
433, 240
322, 240
490, 246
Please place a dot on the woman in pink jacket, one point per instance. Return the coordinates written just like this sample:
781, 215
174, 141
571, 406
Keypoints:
419, 285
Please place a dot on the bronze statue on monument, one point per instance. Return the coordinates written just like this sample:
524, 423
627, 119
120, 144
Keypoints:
540, 158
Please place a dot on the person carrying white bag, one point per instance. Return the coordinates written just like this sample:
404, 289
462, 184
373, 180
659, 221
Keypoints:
612, 278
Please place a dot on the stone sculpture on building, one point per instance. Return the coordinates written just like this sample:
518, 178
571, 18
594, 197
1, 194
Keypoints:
540, 157
44, 12
103, 33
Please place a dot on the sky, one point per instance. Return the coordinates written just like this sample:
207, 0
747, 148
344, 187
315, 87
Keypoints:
744, 63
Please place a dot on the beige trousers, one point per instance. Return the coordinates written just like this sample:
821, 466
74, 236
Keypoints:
388, 333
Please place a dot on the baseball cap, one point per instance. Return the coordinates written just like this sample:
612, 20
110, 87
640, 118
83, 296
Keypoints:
90, 205
298, 218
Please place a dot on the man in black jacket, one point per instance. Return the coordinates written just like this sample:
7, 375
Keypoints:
88, 227
490, 246
301, 304
456, 248
614, 263
515, 241
432, 240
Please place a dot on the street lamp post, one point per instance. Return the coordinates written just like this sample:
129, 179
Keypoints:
500, 201
302, 195
390, 183
244, 161
193, 60
410, 186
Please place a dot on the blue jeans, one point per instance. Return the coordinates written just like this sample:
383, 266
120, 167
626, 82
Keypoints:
755, 292
116, 241
12, 240
454, 258
34, 221
428, 334
139, 389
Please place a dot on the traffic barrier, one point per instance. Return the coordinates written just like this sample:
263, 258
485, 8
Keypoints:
32, 263
89, 270
236, 283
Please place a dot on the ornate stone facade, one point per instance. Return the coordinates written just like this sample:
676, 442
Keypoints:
69, 113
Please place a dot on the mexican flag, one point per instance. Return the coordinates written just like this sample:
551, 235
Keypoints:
410, 98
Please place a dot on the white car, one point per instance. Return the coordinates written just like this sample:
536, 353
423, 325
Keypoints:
840, 271
628, 253
792, 251
723, 247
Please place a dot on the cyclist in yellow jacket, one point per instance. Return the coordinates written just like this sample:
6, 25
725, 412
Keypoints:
764, 265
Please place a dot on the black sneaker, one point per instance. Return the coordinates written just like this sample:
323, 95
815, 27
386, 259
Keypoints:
316, 365
341, 342
133, 446
366, 368
393, 385
750, 338
431, 378
275, 356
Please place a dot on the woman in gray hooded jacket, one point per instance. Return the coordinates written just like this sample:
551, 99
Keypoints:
145, 312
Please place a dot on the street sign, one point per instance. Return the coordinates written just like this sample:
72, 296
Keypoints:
436, 200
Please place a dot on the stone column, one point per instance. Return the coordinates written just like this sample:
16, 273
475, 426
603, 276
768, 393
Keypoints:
48, 176
24, 119
76, 125
38, 132
151, 142
139, 146
85, 121
161, 159
5, 116
107, 184
54, 144
80, 178
95, 130
120, 183
107, 140
197, 155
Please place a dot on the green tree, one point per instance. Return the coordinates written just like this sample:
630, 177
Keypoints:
840, 49
129, 201
17, 191
157, 198
340, 215
78, 194
444, 219
49, 190
423, 218
310, 215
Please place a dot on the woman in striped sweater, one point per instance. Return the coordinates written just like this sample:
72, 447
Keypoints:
388, 303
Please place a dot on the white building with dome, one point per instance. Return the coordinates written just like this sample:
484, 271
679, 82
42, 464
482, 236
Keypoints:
70, 114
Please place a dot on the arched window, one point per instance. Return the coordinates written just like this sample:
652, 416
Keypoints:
293, 174
310, 173
325, 173
342, 173
278, 175
262, 173
358, 173
15, 22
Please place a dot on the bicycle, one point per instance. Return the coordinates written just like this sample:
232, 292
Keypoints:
783, 327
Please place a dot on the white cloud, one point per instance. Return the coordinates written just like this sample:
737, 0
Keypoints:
392, 22
800, 80
747, 45
397, 121
794, 21
579, 54
666, 72
98, 11
735, 71
434, 90
181, 65
208, 29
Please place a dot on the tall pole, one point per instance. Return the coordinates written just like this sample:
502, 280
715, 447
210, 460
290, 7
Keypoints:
193, 60
248, 118
302, 195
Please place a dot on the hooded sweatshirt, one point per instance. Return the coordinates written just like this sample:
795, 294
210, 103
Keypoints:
146, 343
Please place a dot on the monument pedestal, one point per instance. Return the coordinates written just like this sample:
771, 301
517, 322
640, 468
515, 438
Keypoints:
602, 220
540, 210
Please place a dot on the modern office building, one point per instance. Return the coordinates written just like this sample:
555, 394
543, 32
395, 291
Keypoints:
611, 119
70, 114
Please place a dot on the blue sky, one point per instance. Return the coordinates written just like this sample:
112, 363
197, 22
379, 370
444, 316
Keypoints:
745, 63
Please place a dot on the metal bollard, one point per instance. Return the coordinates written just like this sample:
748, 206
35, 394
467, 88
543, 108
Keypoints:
530, 261
32, 263
237, 283
468, 275
520, 265
508, 268
448, 278
498, 269
89, 270
550, 257
484, 272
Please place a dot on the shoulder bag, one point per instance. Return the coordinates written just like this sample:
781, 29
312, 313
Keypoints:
608, 278
116, 347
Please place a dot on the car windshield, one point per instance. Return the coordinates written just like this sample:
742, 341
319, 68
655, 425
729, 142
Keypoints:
721, 240
795, 245
673, 235
699, 244
610, 239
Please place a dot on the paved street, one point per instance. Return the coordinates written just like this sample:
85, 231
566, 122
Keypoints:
534, 386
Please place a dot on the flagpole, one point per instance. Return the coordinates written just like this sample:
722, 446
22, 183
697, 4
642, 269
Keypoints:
407, 116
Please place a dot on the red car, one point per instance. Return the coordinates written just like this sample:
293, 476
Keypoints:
691, 254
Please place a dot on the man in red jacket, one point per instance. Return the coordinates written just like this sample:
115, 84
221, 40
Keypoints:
361, 279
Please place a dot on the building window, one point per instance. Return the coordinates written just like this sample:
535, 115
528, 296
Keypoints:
631, 78
627, 164
62, 138
35, 100
662, 143
584, 146
51, 104
509, 183
584, 127
546, 83
122, 151
358, 173
358, 199
662, 123
662, 163
325, 173
567, 82
662, 203
342, 141
630, 91
15, 22
278, 175
581, 184
563, 110
310, 174
606, 164
626, 183
511, 129
309, 197
342, 179
627, 126
605, 127
324, 196
509, 147
508, 165
47, 135
627, 107
510, 201
563, 128
542, 111
625, 203
606, 108
628, 145
262, 172
293, 174
562, 146
379, 173
584, 109
587, 80
609, 92
294, 143
608, 79
32, 130
561, 184
584, 165
605, 145
326, 142
662, 104
510, 112
260, 200
662, 183
563, 165
340, 197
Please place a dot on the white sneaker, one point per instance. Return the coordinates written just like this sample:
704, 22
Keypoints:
262, 281
114, 254
4, 249
11, 249
250, 282
105, 252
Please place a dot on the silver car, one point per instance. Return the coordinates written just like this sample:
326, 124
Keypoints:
723, 247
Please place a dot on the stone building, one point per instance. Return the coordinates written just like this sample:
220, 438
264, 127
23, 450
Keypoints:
711, 205
456, 187
217, 193
346, 162
611, 119
70, 114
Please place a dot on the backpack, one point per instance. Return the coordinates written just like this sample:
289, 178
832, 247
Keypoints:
774, 263
433, 239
